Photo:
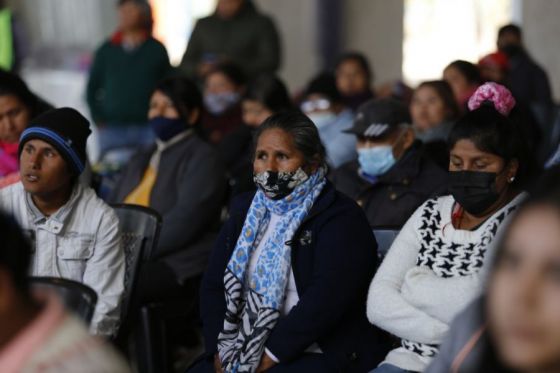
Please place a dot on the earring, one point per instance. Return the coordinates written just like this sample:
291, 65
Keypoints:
511, 179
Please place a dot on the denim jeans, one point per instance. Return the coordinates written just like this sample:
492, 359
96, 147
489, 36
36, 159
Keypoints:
118, 136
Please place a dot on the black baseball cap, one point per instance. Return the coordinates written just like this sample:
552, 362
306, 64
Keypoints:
377, 117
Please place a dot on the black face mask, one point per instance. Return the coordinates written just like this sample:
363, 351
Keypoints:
474, 191
277, 185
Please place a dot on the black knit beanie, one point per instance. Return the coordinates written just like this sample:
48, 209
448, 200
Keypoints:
65, 129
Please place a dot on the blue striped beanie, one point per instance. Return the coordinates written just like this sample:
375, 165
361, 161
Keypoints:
65, 129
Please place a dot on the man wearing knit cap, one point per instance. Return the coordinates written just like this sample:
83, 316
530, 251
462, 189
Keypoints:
74, 233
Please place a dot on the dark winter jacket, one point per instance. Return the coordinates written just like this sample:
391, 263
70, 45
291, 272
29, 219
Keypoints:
394, 197
249, 40
188, 193
333, 261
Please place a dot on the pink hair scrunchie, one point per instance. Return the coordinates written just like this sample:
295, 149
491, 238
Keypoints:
496, 93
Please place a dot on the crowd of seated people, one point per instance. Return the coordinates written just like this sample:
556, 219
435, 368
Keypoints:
269, 205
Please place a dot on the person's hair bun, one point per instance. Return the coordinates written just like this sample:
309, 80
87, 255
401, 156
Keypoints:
498, 95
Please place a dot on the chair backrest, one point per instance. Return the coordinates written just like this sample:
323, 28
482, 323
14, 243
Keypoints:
139, 228
384, 238
75, 296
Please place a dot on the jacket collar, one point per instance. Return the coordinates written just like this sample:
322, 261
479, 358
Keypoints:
118, 38
406, 169
54, 223
162, 146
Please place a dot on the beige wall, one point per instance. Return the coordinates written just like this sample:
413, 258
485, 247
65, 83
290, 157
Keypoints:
374, 27
542, 37
295, 21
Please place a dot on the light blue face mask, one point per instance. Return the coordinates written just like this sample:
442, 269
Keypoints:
218, 103
322, 119
377, 160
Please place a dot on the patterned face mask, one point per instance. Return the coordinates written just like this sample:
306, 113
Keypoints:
277, 185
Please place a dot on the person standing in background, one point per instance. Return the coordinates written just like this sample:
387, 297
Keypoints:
237, 33
12, 46
124, 73
528, 81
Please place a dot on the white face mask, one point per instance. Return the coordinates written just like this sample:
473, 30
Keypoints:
322, 119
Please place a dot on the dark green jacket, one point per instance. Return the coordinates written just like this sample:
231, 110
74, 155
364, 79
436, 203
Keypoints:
249, 39
121, 82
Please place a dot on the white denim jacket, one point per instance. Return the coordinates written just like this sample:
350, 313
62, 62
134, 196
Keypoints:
81, 242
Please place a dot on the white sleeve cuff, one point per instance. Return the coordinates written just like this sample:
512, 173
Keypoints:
271, 355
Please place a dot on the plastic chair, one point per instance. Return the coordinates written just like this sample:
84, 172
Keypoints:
76, 297
140, 228
384, 238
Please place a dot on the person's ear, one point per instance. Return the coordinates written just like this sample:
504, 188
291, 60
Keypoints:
404, 142
312, 166
512, 169
408, 138
193, 116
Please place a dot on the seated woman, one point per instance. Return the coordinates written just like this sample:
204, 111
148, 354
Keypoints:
435, 266
182, 178
433, 110
391, 177
515, 326
75, 235
464, 78
322, 103
266, 95
224, 86
354, 79
282, 292
18, 105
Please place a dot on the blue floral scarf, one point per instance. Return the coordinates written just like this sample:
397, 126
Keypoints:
254, 300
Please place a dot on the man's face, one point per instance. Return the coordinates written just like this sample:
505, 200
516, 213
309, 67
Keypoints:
130, 16
228, 8
43, 171
508, 39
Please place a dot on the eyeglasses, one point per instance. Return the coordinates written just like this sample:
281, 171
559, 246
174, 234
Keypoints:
313, 105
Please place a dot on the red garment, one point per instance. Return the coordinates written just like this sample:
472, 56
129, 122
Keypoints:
9, 162
118, 36
217, 126
498, 59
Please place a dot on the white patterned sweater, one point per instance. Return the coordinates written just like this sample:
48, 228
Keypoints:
431, 272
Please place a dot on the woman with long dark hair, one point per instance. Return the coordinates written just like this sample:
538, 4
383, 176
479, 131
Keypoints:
515, 326
436, 265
